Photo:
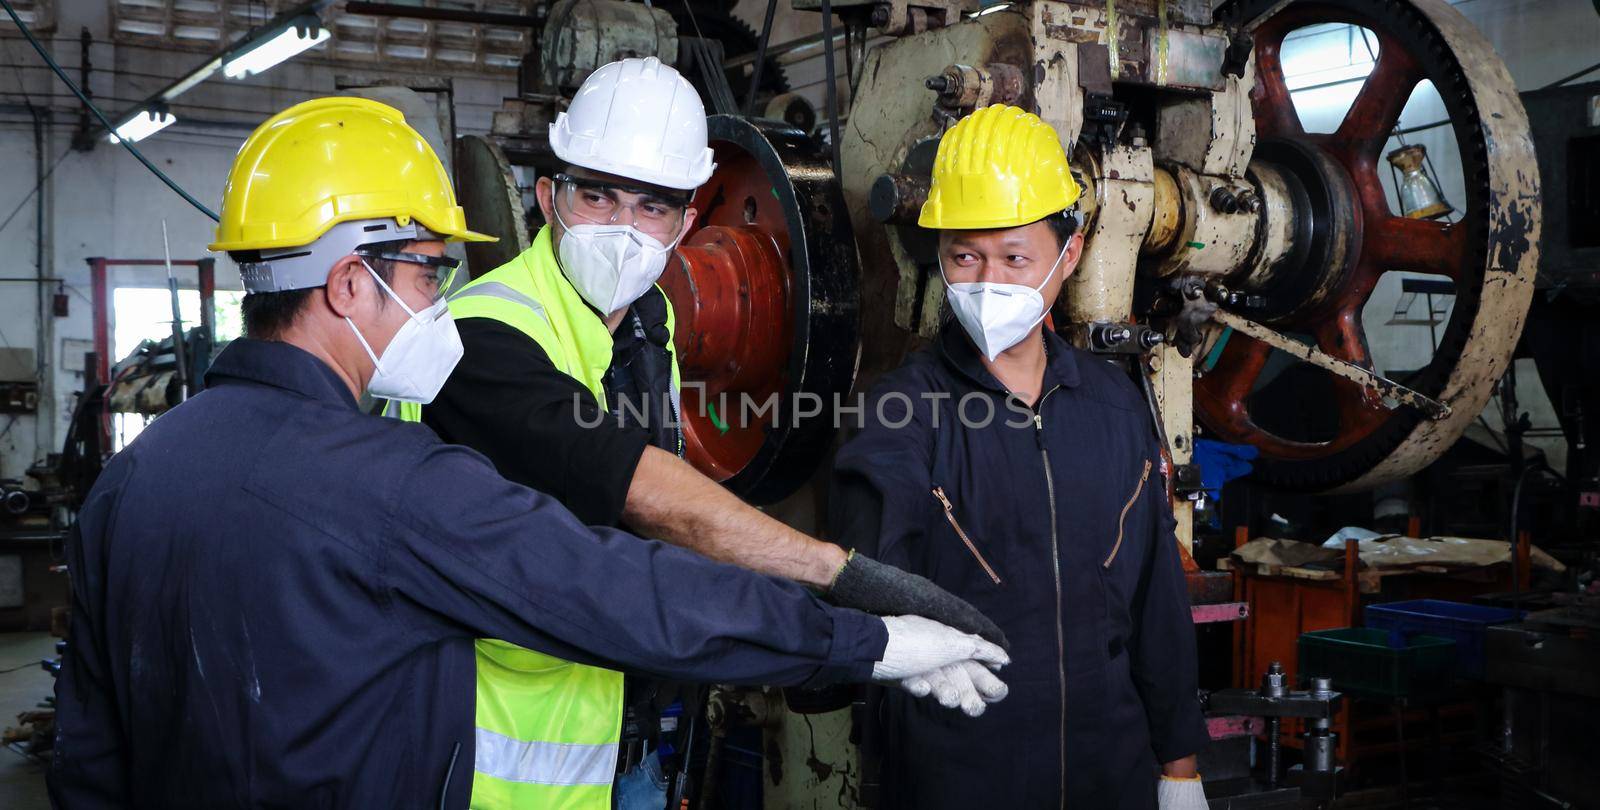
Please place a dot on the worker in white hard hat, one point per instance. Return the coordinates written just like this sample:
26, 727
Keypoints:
559, 336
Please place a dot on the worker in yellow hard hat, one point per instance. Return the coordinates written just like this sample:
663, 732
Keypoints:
1021, 473
276, 595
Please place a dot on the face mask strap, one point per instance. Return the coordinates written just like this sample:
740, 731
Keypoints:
379, 279
1062, 255
939, 258
1040, 289
376, 363
364, 344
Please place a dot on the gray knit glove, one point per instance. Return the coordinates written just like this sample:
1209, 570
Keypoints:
883, 590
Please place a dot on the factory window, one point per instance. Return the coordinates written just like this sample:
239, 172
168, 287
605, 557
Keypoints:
38, 15
357, 39
1325, 67
141, 313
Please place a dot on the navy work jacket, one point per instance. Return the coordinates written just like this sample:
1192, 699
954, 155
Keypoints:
1054, 522
275, 597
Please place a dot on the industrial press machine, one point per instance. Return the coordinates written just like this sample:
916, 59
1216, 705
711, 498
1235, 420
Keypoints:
1220, 231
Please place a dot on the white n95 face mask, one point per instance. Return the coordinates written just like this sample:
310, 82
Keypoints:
997, 315
610, 265
421, 356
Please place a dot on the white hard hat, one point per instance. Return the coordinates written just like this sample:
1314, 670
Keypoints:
638, 119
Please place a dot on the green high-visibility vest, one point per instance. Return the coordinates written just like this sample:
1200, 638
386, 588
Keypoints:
547, 729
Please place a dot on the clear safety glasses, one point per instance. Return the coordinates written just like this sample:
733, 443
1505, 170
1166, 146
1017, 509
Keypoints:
438, 275
594, 202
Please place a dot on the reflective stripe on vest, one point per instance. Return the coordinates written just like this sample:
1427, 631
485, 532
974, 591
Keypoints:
494, 289
544, 763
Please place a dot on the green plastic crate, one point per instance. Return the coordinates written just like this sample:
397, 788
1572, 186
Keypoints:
1361, 662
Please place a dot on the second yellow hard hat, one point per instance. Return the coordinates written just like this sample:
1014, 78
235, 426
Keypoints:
999, 167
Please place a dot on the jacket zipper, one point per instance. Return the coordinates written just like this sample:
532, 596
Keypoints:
1122, 518
950, 515
1055, 567
677, 419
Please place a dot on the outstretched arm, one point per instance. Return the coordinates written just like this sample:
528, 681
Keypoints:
671, 500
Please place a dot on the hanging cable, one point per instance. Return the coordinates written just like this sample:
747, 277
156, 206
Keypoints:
29, 196
831, 92
44, 54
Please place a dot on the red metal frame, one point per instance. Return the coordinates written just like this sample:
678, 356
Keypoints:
99, 279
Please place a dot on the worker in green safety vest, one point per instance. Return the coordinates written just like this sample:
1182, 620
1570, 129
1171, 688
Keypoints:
569, 385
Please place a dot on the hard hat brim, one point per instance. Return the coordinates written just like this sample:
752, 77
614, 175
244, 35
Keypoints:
935, 222
298, 240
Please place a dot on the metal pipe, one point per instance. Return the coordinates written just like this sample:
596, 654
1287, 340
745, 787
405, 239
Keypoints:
1421, 128
782, 48
830, 96
444, 14
1586, 71
760, 59
177, 319
41, 424
82, 140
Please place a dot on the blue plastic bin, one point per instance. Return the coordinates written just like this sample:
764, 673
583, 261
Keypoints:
1458, 621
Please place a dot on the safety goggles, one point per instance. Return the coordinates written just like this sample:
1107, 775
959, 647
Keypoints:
440, 270
600, 203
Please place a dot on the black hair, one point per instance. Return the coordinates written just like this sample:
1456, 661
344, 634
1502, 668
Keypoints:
1064, 224
269, 314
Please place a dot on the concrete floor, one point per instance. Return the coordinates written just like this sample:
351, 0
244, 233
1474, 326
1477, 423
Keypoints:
22, 779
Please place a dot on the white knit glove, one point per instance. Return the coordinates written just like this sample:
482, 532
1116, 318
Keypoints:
918, 645
924, 656
1180, 794
967, 684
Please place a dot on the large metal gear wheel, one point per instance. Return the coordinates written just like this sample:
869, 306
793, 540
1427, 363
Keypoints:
766, 295
486, 187
1490, 253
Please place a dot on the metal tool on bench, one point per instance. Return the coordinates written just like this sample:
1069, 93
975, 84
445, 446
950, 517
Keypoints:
1318, 778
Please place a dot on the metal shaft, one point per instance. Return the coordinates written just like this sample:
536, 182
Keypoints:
1343, 368
1274, 751
177, 319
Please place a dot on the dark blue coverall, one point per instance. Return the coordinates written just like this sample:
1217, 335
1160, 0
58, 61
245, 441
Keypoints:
1103, 673
275, 597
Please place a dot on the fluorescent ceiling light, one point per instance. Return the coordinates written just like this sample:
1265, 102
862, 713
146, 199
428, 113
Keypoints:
300, 35
192, 80
141, 126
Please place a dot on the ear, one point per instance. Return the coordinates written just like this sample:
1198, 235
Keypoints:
689, 215
348, 283
1069, 262
544, 191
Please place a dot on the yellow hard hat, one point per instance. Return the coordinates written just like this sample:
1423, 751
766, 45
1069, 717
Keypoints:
333, 160
999, 167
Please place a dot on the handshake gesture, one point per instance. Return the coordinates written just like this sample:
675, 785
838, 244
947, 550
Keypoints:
938, 644
925, 657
